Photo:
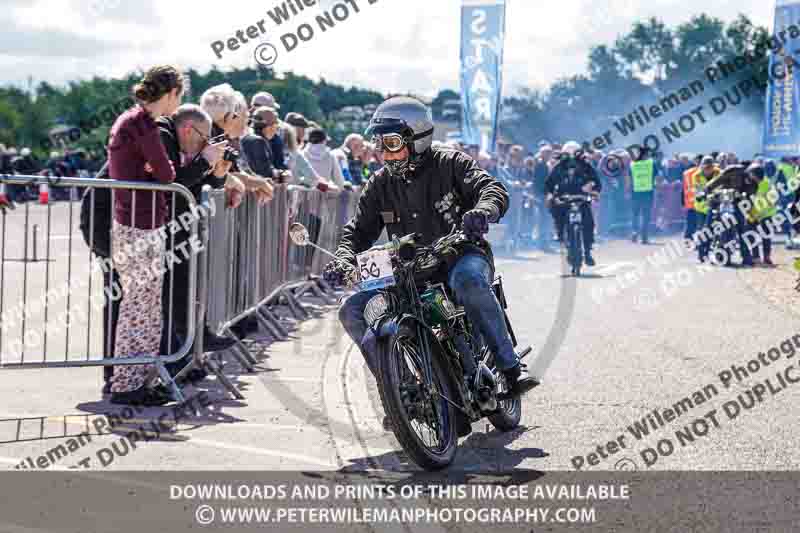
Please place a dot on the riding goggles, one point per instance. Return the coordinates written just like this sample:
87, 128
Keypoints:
389, 142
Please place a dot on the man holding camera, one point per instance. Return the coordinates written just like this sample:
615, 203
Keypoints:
229, 113
197, 162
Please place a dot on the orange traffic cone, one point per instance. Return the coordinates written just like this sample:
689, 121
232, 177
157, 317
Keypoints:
44, 194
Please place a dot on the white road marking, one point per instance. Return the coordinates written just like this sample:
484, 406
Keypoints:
613, 267
261, 451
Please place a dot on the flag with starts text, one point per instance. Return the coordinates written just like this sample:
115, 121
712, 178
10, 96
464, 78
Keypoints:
482, 36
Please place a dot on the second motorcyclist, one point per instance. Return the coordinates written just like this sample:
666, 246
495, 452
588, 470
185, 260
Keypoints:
573, 175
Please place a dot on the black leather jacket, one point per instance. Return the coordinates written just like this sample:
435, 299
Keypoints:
559, 181
430, 201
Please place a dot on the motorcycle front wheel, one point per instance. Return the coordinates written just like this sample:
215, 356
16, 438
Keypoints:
422, 420
576, 259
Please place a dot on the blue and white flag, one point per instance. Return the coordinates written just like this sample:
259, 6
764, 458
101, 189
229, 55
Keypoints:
781, 125
482, 34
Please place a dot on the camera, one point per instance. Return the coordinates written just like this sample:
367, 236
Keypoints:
230, 155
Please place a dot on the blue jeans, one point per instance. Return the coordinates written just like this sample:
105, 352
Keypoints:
471, 282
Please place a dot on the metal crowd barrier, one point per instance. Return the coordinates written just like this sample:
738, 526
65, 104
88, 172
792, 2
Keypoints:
253, 268
55, 306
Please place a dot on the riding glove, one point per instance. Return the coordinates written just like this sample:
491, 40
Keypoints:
476, 223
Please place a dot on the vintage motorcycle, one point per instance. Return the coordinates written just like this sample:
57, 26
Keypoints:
432, 363
722, 213
573, 228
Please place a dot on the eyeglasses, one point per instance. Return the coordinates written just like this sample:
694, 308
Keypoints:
200, 133
391, 142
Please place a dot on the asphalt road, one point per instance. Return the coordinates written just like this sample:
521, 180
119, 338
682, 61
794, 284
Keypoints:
640, 332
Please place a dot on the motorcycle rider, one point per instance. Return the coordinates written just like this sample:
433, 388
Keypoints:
573, 175
428, 191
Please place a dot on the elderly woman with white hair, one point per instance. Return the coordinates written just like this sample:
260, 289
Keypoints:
228, 109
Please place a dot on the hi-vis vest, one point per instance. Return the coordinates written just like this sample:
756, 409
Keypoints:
789, 171
763, 207
642, 174
699, 182
688, 188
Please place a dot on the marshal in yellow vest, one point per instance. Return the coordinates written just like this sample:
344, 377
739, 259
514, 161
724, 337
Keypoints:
642, 173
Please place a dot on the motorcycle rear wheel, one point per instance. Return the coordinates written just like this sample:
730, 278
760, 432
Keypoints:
509, 412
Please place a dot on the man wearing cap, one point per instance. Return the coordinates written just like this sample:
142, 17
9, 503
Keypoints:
264, 99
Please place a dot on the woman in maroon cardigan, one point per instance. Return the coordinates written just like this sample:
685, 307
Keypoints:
135, 153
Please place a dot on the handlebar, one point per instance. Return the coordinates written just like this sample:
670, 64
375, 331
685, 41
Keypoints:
575, 198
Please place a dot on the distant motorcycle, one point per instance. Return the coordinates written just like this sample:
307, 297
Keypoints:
432, 361
573, 229
722, 209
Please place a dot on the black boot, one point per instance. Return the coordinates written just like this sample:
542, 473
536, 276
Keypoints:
141, 396
516, 387
589, 259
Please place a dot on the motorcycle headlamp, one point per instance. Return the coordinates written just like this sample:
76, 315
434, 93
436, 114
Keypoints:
377, 307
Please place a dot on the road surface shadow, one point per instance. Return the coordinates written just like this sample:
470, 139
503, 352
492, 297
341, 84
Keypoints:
480, 452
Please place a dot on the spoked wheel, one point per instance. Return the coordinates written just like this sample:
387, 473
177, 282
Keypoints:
423, 421
576, 260
509, 412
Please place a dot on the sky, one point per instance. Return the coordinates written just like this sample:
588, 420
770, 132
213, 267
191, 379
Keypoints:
392, 46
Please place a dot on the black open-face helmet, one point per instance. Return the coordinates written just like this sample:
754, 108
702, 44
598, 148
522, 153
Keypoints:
402, 122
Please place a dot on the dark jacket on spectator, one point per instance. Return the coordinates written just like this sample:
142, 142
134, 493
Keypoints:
256, 150
135, 142
276, 148
193, 174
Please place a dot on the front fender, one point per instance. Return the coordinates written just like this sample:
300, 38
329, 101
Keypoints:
386, 328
